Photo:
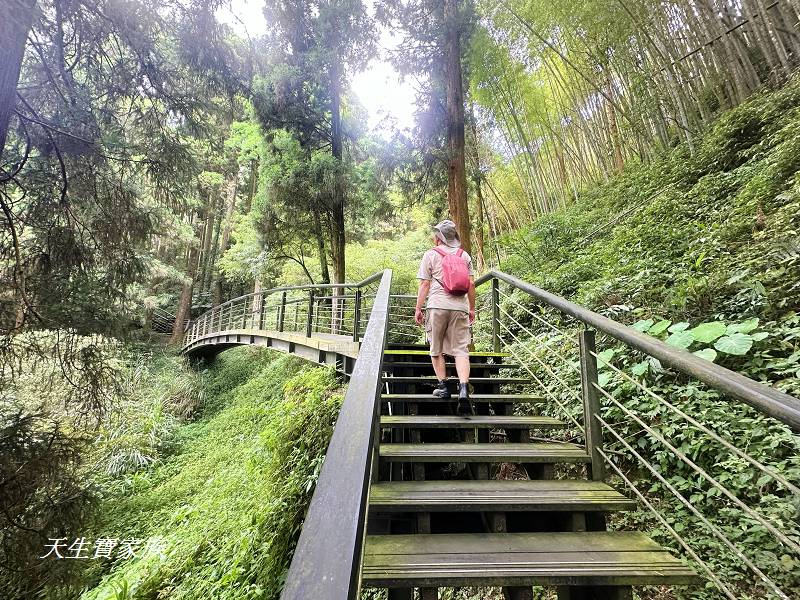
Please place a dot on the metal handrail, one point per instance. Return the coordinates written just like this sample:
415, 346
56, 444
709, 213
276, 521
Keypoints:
327, 560
309, 286
766, 399
257, 302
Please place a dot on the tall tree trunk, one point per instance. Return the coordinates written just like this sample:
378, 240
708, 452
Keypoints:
208, 236
477, 176
14, 28
337, 216
252, 187
323, 255
456, 169
185, 302
619, 161
227, 225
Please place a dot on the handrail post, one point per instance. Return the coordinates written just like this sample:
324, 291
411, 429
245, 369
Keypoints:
281, 312
244, 315
261, 307
310, 316
357, 315
591, 403
495, 314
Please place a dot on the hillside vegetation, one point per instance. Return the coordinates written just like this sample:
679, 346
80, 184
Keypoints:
219, 512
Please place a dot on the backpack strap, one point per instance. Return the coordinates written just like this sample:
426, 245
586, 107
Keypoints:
439, 251
459, 252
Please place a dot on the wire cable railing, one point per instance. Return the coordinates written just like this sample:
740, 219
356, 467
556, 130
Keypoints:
728, 506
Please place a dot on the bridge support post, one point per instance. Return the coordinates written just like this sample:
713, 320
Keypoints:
281, 312
260, 301
496, 314
591, 403
310, 316
357, 315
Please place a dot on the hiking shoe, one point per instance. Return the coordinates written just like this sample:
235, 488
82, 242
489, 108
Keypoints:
441, 390
464, 405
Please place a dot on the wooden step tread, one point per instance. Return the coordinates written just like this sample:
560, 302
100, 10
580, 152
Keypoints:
571, 495
473, 397
586, 558
519, 453
481, 421
390, 364
431, 379
427, 353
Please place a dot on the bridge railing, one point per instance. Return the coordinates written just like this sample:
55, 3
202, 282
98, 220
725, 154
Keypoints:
712, 456
327, 561
328, 309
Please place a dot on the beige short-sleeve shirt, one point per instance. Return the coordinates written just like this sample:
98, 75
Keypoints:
431, 269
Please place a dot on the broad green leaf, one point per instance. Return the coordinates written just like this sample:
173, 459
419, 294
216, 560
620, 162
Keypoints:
682, 326
761, 335
706, 353
681, 339
603, 379
640, 368
605, 356
708, 332
736, 343
744, 326
644, 325
659, 327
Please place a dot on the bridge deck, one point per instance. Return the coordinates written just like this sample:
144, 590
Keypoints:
314, 347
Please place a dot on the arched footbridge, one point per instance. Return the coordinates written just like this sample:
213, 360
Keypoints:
582, 471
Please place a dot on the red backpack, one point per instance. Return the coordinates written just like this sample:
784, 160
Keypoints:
455, 274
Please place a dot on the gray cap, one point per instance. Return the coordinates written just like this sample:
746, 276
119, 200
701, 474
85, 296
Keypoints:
448, 234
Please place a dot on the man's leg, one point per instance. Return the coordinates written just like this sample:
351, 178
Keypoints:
440, 368
458, 340
435, 332
462, 368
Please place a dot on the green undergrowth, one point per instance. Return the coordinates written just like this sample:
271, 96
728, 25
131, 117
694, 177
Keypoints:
689, 236
219, 510
699, 249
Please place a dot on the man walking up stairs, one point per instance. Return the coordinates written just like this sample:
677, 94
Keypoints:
447, 283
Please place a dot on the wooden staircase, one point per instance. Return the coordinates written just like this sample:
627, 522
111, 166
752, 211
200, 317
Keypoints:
441, 515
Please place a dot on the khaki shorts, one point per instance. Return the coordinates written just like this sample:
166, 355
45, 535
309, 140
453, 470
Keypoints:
448, 331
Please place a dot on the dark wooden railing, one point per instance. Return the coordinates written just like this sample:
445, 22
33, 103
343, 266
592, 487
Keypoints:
327, 560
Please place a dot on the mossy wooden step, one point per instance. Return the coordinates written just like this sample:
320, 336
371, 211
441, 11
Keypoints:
476, 398
485, 453
413, 364
566, 495
427, 353
431, 380
517, 559
470, 422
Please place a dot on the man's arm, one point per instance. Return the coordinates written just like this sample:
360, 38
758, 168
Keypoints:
471, 297
422, 294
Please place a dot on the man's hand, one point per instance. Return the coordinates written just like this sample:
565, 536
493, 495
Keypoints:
419, 317
471, 316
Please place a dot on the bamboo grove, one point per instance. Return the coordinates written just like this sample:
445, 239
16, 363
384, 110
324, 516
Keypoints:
575, 90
